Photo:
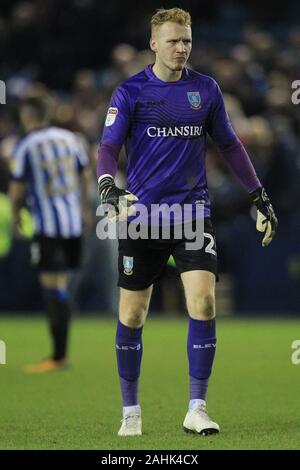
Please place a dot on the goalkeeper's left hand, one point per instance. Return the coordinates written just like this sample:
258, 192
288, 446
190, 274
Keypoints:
266, 219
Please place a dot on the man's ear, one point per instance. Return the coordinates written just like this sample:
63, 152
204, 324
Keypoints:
153, 46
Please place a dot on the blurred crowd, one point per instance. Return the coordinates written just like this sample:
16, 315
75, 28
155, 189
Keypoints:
254, 72
255, 75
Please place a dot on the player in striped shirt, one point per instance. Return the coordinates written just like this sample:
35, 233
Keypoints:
50, 169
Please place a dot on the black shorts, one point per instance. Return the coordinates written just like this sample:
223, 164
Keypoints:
143, 261
55, 254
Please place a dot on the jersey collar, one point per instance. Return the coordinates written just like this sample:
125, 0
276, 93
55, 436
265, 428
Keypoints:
149, 72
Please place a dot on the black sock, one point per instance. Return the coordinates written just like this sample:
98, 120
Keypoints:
58, 310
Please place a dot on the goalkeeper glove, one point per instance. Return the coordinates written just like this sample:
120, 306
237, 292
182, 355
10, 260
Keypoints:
119, 200
266, 219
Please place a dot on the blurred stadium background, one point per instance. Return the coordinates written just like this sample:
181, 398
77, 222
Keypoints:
77, 51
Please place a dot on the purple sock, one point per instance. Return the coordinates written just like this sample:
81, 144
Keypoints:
201, 347
129, 356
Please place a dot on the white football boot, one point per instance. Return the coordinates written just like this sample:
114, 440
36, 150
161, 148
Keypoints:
197, 421
131, 425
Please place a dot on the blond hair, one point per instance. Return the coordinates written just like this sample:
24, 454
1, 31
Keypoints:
175, 15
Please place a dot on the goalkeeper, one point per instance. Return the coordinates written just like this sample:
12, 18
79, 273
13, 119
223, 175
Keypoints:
162, 115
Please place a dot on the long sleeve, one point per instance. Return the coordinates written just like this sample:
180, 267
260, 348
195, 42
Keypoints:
108, 157
114, 133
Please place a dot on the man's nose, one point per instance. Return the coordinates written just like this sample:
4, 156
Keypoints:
181, 46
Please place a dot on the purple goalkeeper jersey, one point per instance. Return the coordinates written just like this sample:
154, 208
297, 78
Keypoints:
164, 126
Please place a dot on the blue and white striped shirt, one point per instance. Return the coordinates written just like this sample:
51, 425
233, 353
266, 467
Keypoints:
50, 161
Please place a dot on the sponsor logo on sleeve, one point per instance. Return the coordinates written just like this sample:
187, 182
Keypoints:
111, 116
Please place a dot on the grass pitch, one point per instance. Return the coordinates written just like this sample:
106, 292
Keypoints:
253, 393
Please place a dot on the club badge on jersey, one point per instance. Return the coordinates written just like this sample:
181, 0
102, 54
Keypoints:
194, 99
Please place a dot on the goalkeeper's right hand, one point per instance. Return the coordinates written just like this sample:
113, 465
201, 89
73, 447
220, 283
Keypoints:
119, 202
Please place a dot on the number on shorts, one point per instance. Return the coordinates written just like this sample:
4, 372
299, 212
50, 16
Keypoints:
209, 248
